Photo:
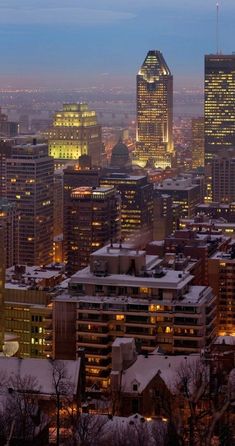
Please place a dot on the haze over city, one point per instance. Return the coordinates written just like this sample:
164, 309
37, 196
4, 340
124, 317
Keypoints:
117, 223
70, 44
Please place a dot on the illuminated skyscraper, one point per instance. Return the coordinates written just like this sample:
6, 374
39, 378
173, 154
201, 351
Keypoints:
219, 104
75, 132
93, 219
198, 143
154, 111
29, 184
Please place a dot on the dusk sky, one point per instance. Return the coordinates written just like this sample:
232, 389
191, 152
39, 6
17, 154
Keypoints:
72, 43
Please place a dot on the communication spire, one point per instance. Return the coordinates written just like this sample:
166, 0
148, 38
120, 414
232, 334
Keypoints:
217, 28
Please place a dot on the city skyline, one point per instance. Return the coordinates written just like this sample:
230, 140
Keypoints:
39, 41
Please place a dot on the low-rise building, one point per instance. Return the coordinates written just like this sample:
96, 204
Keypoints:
27, 299
146, 383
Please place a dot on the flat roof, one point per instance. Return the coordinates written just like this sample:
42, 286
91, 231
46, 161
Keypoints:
171, 279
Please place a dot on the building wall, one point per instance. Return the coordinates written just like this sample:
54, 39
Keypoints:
30, 185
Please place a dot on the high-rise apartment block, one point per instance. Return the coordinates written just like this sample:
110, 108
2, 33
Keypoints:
221, 273
136, 203
75, 132
219, 104
154, 112
126, 293
93, 219
198, 143
29, 184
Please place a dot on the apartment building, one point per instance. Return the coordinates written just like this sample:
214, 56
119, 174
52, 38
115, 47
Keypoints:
126, 293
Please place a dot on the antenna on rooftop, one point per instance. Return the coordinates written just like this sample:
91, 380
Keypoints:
217, 27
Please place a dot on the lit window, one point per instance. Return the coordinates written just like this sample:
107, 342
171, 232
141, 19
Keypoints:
120, 317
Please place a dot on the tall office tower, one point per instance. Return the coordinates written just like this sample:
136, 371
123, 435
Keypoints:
9, 224
5, 152
198, 143
154, 112
223, 177
137, 203
219, 110
75, 132
219, 104
29, 178
75, 176
93, 220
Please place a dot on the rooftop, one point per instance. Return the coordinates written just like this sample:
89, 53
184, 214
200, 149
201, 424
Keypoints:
146, 367
170, 279
195, 295
26, 277
41, 370
183, 184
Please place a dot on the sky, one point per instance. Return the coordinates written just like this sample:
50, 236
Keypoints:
83, 43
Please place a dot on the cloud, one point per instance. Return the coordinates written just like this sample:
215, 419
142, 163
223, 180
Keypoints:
13, 12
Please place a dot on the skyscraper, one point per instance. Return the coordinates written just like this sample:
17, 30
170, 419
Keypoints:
137, 203
29, 184
198, 143
219, 104
75, 132
223, 177
93, 219
154, 111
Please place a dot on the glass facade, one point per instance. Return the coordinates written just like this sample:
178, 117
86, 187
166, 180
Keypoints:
219, 104
154, 112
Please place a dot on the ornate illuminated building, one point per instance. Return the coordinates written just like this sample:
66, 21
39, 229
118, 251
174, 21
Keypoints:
29, 184
93, 219
198, 143
75, 132
154, 112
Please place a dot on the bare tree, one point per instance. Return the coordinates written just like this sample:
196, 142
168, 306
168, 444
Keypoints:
87, 430
20, 415
62, 392
206, 399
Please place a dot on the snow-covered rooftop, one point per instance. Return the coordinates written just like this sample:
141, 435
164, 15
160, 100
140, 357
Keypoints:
225, 340
171, 279
146, 367
41, 370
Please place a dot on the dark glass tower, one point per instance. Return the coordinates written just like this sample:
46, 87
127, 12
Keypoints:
154, 112
219, 104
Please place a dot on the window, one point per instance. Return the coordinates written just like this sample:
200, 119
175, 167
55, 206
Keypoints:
135, 387
120, 317
135, 405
